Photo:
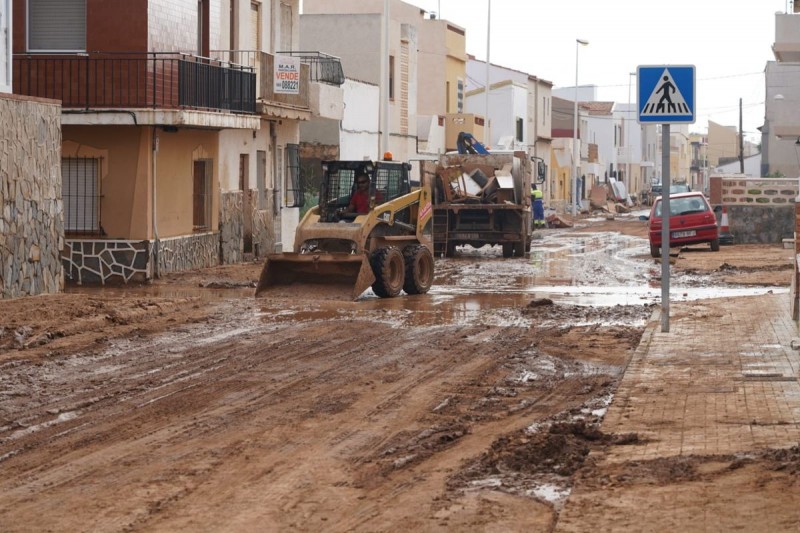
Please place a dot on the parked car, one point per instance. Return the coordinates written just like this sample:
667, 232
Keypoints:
691, 221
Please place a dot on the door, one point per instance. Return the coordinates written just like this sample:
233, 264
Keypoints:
247, 202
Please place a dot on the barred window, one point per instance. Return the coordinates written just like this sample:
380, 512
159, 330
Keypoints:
80, 191
295, 196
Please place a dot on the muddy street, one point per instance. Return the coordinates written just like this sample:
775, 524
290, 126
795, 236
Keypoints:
189, 405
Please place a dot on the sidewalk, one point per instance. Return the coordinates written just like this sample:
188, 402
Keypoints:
723, 381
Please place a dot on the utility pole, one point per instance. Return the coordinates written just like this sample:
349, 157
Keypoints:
741, 140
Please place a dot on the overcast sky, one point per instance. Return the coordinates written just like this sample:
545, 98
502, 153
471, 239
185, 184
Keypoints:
729, 42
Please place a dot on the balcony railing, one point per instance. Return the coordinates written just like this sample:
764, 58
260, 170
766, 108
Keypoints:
156, 80
324, 68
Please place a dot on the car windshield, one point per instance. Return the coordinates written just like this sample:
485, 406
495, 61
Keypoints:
683, 206
675, 189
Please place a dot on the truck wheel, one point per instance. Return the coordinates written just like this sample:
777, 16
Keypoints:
419, 269
387, 265
655, 251
451, 250
508, 249
519, 249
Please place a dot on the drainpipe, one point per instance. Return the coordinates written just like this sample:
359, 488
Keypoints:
156, 250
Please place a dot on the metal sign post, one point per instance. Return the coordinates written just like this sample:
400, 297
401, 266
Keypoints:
665, 95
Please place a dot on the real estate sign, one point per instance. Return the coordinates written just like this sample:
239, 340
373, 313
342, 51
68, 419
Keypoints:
287, 75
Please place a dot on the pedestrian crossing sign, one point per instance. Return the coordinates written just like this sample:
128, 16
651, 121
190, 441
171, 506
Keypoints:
665, 94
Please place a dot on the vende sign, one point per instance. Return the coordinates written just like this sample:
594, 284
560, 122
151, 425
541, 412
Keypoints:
287, 75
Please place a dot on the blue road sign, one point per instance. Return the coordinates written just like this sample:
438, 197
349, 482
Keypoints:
666, 94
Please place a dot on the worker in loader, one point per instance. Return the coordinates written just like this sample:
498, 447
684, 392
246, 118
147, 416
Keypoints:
359, 201
538, 207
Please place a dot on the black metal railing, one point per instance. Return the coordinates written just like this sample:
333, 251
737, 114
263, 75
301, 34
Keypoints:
158, 80
324, 68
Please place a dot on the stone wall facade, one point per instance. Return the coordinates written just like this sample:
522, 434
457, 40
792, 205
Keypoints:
179, 254
760, 210
31, 220
231, 228
107, 261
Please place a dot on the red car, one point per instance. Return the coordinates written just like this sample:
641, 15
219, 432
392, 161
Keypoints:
692, 221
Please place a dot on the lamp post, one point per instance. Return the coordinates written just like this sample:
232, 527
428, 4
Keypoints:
627, 120
575, 153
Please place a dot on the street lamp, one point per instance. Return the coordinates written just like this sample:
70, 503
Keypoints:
627, 120
575, 154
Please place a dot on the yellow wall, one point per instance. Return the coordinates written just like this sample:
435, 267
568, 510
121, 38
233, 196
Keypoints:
126, 169
124, 205
455, 67
176, 155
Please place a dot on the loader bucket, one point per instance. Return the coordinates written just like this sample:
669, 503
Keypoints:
319, 276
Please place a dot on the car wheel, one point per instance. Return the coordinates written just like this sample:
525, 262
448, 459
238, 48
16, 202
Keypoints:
715, 245
419, 269
655, 251
389, 269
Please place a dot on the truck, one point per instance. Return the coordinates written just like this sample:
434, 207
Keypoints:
339, 254
482, 198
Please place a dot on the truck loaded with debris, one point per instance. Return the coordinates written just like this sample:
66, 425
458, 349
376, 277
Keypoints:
482, 199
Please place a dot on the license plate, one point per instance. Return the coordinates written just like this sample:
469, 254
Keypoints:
682, 234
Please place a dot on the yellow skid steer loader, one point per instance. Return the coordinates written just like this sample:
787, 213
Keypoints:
345, 245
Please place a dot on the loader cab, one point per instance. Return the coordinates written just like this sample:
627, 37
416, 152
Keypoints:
388, 180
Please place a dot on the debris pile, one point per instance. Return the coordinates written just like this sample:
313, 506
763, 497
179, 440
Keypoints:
477, 184
611, 197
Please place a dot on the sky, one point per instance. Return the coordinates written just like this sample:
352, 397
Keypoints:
728, 42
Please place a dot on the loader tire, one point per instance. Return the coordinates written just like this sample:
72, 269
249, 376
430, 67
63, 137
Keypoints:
389, 269
419, 269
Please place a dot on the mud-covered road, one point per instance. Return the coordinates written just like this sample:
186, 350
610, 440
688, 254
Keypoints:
190, 405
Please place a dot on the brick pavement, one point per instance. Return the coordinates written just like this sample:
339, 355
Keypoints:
723, 380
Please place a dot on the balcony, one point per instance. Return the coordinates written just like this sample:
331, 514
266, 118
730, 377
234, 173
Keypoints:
154, 88
787, 38
321, 76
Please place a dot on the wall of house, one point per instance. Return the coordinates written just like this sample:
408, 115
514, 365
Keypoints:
172, 25
124, 175
31, 224
360, 125
174, 179
759, 210
344, 36
102, 35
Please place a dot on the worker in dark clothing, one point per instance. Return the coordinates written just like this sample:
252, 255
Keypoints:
538, 207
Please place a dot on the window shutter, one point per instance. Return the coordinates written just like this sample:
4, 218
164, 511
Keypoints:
57, 25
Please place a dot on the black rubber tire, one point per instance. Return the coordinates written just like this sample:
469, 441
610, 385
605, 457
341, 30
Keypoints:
419, 269
508, 249
389, 269
715, 245
655, 251
519, 249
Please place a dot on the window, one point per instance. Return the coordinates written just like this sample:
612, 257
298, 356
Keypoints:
519, 130
460, 97
294, 185
391, 77
56, 25
80, 191
201, 195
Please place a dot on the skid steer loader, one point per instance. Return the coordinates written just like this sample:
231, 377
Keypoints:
339, 255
